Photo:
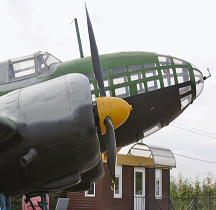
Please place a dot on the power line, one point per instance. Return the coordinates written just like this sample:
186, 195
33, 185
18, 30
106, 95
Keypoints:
196, 172
206, 161
193, 132
194, 128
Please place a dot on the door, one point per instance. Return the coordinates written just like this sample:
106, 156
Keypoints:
139, 188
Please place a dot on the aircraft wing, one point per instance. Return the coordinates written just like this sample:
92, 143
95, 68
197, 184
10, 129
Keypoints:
7, 129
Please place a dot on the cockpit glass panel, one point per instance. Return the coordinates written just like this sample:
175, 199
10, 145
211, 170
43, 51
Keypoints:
179, 62
194, 66
41, 65
199, 82
120, 80
106, 83
22, 68
186, 100
182, 75
136, 76
151, 73
108, 93
49, 59
164, 61
118, 70
149, 65
168, 77
122, 92
105, 73
89, 75
92, 86
140, 88
134, 67
153, 85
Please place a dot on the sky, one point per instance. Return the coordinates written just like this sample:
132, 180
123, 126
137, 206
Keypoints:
183, 29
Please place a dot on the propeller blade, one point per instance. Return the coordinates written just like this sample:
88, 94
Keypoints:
95, 57
108, 107
111, 148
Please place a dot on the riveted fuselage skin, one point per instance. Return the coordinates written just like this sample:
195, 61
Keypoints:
54, 114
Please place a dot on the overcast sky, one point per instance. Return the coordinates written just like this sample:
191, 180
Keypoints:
181, 28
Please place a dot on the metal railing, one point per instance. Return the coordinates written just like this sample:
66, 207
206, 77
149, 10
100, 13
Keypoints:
152, 203
198, 202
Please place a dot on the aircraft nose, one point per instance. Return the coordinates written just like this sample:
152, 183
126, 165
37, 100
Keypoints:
199, 81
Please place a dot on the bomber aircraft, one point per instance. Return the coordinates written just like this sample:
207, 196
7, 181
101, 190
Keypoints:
57, 118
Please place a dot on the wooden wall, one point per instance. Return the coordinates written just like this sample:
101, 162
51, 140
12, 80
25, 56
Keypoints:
126, 202
80, 201
105, 200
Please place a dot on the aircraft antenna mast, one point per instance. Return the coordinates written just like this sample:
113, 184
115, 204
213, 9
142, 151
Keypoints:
78, 38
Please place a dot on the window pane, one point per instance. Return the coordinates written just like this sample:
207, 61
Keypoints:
136, 76
184, 90
153, 85
185, 101
182, 75
151, 73
41, 65
199, 82
108, 93
164, 61
22, 68
134, 67
149, 65
122, 92
157, 187
91, 192
105, 73
139, 184
152, 129
49, 59
118, 70
178, 62
140, 88
106, 83
93, 97
89, 75
116, 185
168, 77
120, 80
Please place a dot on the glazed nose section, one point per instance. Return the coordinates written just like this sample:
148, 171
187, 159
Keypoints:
199, 82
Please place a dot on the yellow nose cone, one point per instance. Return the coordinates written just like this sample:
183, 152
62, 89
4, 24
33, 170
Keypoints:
117, 108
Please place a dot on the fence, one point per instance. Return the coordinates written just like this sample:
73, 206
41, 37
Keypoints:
199, 202
151, 203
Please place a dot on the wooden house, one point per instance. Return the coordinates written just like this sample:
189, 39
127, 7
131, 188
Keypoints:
142, 182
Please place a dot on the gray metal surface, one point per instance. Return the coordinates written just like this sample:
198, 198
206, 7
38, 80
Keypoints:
56, 118
62, 204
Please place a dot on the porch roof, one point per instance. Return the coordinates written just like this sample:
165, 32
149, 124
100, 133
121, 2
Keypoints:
162, 157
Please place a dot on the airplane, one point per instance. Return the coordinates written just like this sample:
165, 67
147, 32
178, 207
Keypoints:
58, 118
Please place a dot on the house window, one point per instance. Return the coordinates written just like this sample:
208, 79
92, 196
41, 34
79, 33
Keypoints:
91, 192
158, 183
118, 182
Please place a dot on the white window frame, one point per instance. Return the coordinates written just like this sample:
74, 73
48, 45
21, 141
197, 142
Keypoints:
158, 177
90, 195
118, 173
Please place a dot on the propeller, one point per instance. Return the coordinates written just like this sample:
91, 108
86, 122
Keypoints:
112, 111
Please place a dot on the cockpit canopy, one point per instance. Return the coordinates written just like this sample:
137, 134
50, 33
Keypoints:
33, 65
